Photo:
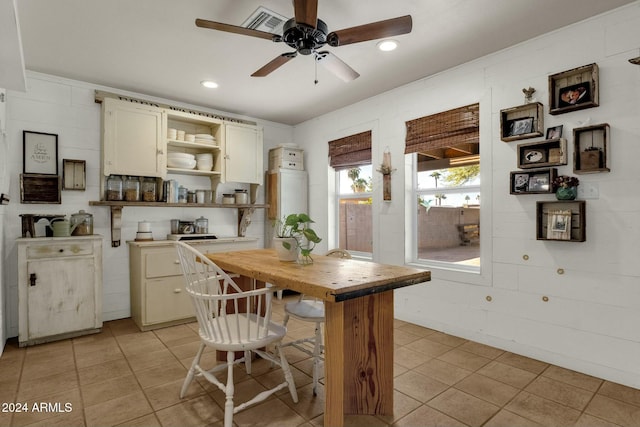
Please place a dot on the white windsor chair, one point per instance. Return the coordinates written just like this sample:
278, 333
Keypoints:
231, 320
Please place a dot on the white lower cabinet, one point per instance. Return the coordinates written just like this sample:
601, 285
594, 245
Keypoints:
60, 288
158, 297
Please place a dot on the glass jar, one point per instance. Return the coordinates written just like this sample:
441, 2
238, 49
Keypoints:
191, 196
132, 189
228, 199
81, 224
241, 197
182, 194
149, 190
202, 225
114, 187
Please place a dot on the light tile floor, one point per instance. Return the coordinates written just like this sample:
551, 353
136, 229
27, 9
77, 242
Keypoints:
126, 377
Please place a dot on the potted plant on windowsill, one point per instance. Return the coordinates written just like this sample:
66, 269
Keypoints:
293, 236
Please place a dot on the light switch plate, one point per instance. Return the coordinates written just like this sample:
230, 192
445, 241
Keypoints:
588, 190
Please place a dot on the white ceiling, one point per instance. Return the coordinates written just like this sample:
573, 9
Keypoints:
153, 47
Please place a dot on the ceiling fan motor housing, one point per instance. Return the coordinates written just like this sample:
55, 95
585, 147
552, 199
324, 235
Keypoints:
303, 38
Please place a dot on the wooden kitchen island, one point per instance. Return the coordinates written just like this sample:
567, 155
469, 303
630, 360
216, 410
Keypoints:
358, 298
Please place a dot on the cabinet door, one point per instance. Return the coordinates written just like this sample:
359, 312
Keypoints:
63, 297
133, 141
243, 154
167, 300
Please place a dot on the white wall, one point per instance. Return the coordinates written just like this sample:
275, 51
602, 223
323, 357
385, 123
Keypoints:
590, 323
67, 108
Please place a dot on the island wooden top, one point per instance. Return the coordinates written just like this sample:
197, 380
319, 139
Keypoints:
328, 278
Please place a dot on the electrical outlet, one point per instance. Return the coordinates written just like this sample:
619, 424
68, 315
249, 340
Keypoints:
588, 190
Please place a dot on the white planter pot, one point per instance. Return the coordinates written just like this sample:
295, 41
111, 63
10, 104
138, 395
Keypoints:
285, 254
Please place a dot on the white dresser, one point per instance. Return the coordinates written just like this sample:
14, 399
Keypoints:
158, 298
59, 287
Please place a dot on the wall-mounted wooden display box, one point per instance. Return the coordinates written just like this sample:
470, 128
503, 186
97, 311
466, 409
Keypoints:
574, 89
36, 188
521, 122
550, 152
591, 146
539, 181
561, 220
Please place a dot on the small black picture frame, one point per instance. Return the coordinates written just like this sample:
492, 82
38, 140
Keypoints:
40, 153
554, 132
520, 126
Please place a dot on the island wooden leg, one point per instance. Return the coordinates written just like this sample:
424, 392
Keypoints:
358, 357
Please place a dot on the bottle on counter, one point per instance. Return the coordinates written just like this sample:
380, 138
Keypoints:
114, 188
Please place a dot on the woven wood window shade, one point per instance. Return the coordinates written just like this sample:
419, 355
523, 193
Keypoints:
447, 129
350, 151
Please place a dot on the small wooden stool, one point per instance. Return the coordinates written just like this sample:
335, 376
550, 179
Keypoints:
29, 223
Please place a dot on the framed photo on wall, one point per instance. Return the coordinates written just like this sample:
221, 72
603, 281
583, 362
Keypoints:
574, 89
520, 126
554, 132
40, 153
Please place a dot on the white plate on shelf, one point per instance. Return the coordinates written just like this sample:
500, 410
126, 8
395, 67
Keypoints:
181, 163
204, 136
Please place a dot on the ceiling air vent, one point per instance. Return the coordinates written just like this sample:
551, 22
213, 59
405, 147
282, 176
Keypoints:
263, 19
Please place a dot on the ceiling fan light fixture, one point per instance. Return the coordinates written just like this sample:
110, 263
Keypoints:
387, 45
209, 84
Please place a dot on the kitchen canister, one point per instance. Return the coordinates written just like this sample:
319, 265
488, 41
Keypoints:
82, 224
241, 197
228, 199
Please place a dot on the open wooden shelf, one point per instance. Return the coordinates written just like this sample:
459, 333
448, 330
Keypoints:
511, 116
568, 215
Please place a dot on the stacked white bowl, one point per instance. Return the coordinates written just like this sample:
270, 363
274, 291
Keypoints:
181, 160
204, 161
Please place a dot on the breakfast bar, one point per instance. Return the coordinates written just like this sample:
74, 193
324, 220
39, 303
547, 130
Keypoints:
358, 297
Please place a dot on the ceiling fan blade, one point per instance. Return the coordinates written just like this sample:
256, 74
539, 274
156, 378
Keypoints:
203, 23
306, 12
274, 64
337, 66
375, 30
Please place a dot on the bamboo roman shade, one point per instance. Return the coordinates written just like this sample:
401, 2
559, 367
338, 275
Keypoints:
350, 151
443, 130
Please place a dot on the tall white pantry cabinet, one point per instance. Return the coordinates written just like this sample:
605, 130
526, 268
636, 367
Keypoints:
59, 287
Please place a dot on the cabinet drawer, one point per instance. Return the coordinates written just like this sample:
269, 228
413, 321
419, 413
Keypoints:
161, 264
57, 250
167, 300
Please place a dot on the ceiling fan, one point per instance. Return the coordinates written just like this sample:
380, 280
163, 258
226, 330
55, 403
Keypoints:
306, 33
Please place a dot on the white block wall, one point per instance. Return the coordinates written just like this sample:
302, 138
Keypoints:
591, 322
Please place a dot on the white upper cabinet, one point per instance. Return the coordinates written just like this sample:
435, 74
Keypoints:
133, 139
243, 154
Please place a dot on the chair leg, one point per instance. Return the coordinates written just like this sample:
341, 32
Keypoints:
247, 361
316, 359
287, 374
229, 390
192, 371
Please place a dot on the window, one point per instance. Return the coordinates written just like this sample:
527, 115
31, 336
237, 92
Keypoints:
446, 183
355, 229
351, 158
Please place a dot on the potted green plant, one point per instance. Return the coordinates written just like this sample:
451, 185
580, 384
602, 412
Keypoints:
293, 235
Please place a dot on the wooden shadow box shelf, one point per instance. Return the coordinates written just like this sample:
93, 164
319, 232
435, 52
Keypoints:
591, 146
510, 117
562, 220
539, 181
550, 152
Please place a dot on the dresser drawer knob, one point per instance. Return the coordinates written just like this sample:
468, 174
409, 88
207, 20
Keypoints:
176, 261
177, 291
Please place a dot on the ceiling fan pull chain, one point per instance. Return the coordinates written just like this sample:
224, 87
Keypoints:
315, 65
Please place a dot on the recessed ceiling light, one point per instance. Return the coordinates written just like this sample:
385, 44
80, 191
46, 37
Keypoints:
209, 84
387, 45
